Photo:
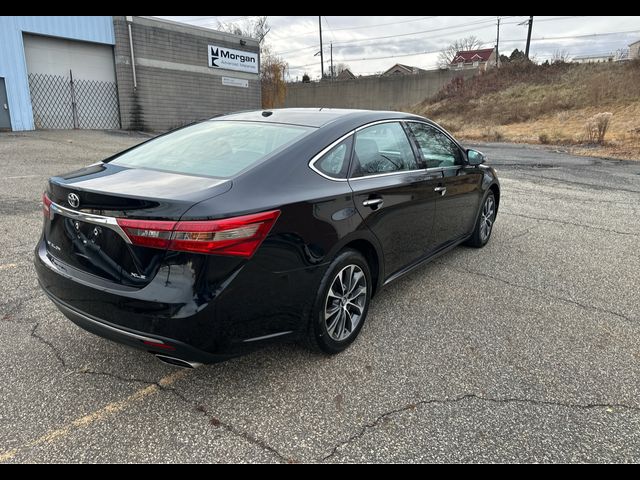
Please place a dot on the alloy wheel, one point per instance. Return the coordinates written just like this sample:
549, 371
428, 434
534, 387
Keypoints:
345, 302
486, 218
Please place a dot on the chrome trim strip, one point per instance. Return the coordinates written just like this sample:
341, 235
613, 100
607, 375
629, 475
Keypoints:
266, 337
399, 120
322, 152
108, 222
400, 172
64, 308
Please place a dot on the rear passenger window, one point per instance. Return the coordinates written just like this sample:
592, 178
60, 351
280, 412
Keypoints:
382, 148
335, 163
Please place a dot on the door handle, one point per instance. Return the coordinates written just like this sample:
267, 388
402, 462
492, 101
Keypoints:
440, 190
373, 202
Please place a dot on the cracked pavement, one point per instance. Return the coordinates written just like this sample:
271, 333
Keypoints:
525, 351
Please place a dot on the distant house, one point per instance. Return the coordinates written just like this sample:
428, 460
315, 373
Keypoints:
345, 74
601, 58
634, 50
400, 69
482, 59
620, 55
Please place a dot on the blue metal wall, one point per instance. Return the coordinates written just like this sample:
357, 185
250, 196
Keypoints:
13, 65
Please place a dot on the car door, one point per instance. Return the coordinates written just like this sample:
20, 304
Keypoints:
393, 195
460, 189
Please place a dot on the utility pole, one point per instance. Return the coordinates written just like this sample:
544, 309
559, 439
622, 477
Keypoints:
526, 52
498, 45
321, 57
333, 73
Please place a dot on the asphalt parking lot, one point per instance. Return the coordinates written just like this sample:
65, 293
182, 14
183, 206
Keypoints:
525, 351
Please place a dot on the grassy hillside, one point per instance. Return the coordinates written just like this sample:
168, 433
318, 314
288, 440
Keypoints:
548, 104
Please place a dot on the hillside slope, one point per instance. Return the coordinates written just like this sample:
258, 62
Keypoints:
548, 104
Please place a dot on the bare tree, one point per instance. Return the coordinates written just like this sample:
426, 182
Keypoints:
341, 67
274, 87
272, 67
258, 28
560, 56
448, 54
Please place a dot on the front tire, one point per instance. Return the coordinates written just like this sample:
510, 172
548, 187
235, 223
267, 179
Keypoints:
484, 224
342, 303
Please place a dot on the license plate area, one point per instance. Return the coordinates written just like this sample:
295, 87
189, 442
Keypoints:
93, 248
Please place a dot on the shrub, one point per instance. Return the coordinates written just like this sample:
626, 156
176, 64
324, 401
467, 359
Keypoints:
544, 138
492, 134
596, 127
450, 126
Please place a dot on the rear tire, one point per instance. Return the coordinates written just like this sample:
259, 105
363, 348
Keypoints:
484, 224
342, 303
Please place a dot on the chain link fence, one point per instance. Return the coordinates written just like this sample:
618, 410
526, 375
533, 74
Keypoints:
61, 102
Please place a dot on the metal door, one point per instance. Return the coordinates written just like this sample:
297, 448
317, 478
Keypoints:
5, 118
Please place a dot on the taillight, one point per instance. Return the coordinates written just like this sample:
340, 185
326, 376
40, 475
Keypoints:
148, 233
46, 205
239, 236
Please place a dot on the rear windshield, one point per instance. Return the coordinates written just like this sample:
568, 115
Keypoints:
214, 148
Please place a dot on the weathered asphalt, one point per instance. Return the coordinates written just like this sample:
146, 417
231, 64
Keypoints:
525, 351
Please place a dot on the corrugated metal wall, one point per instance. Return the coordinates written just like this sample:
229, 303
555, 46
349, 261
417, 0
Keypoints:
13, 67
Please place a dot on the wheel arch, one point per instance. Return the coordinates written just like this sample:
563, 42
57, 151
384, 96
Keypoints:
495, 188
370, 250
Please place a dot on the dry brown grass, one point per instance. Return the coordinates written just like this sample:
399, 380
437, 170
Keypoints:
545, 104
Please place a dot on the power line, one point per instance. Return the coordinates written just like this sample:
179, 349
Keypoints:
487, 21
571, 37
329, 28
449, 27
384, 24
360, 27
429, 37
504, 41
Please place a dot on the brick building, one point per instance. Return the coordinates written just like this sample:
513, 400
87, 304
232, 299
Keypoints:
104, 72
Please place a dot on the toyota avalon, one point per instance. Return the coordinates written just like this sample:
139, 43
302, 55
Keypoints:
216, 238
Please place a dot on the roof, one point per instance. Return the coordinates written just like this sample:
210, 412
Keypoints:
468, 56
345, 74
403, 68
631, 44
587, 57
313, 117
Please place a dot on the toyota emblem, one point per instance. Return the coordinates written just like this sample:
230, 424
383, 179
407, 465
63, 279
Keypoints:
73, 200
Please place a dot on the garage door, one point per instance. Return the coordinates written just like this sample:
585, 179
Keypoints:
72, 84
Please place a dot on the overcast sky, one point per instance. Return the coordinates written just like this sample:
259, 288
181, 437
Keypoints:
370, 45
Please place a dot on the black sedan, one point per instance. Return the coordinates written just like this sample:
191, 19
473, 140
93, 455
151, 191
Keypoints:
211, 240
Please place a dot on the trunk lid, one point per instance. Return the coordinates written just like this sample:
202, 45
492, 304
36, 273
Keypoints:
82, 232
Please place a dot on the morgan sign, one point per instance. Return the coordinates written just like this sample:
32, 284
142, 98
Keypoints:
229, 59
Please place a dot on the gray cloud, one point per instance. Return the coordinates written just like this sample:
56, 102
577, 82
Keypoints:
354, 38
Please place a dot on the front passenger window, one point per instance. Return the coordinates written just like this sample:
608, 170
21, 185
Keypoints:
382, 148
436, 149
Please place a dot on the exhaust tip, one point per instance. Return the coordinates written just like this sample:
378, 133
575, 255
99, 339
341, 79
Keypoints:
176, 362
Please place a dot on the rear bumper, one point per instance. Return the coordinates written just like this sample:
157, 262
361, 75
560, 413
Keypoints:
156, 345
204, 315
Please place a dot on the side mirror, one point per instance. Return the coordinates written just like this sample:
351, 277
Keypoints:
475, 157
